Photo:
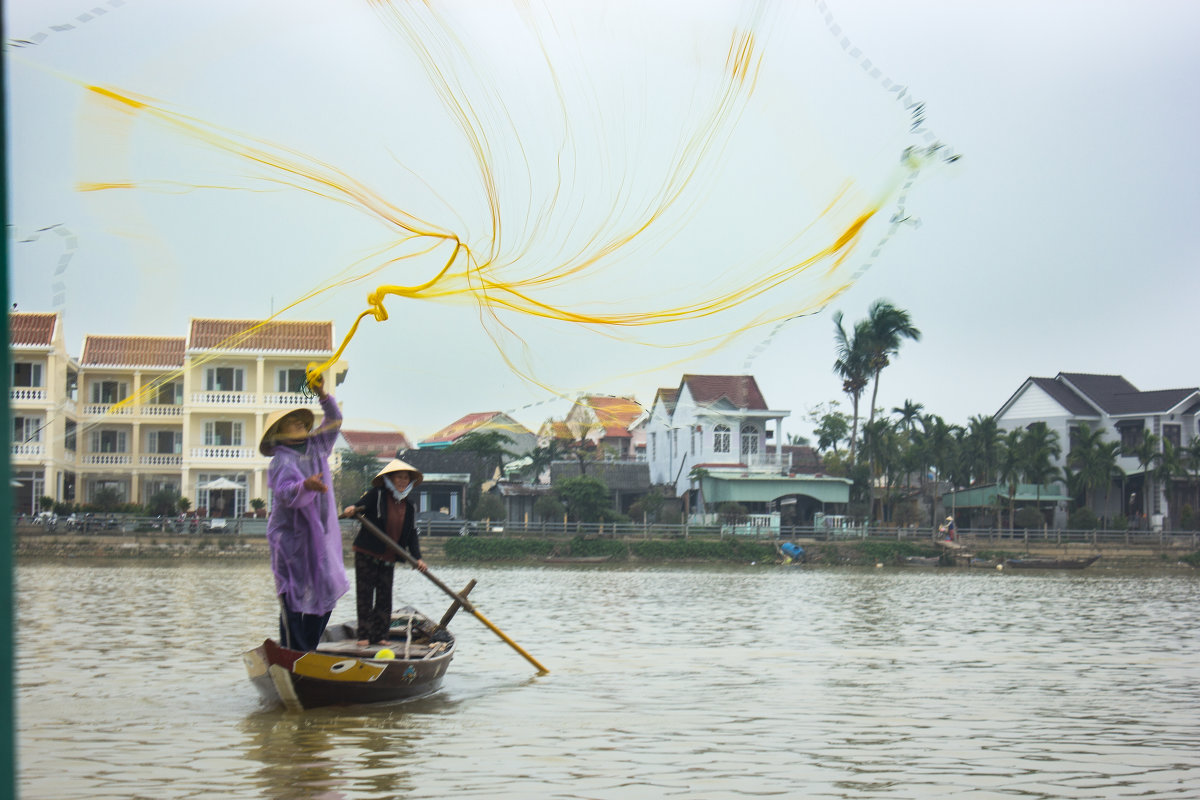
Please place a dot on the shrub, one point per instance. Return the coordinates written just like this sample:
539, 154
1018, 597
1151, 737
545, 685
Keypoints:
488, 506
1083, 519
471, 548
1119, 523
1028, 518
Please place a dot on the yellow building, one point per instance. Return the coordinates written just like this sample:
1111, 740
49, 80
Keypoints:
139, 414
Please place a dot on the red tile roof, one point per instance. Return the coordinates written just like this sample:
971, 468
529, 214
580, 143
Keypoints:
613, 412
255, 334
380, 443
668, 398
132, 351
31, 328
740, 390
461, 427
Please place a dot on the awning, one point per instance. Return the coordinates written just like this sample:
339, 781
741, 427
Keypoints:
986, 496
221, 483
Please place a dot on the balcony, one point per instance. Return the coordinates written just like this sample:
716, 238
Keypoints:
288, 399
28, 450
161, 411
161, 460
223, 453
224, 399
107, 460
26, 393
103, 409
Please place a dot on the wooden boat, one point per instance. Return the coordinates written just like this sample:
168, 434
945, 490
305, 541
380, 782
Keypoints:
340, 672
1050, 563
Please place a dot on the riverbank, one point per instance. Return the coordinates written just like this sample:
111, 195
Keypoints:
35, 543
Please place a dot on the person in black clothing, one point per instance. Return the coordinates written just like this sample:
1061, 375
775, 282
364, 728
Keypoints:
387, 507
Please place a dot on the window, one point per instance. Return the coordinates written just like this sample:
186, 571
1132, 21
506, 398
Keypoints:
653, 445
223, 379
674, 443
164, 442
291, 380
108, 442
695, 431
750, 440
25, 374
167, 394
69, 435
221, 433
1171, 433
721, 439
1131, 433
26, 429
109, 392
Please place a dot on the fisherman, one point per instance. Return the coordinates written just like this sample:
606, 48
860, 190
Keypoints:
948, 529
302, 529
385, 506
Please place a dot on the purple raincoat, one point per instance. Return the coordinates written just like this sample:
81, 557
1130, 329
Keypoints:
303, 532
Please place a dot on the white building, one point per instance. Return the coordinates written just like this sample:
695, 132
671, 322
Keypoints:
1114, 405
722, 426
138, 414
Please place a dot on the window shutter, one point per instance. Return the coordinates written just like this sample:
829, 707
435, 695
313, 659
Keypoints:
208, 433
237, 434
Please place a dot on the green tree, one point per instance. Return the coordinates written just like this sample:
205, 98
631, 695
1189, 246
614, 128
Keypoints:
1010, 467
909, 413
853, 366
1145, 450
107, 499
547, 507
586, 498
540, 458
889, 327
184, 504
833, 428
258, 504
45, 503
1039, 448
1168, 465
163, 502
646, 508
983, 443
1087, 459
489, 506
354, 475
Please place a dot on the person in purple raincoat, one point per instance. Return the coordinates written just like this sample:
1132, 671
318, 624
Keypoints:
302, 530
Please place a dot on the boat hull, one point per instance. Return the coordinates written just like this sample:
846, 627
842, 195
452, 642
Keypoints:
1050, 563
340, 674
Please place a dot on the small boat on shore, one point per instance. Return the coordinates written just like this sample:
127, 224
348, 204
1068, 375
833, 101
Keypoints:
1050, 563
341, 672
922, 561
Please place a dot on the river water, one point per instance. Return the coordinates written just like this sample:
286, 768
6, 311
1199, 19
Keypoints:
740, 682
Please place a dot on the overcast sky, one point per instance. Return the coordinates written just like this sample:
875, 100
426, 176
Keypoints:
1064, 239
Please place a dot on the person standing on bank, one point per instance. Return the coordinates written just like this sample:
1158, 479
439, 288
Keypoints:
386, 506
302, 529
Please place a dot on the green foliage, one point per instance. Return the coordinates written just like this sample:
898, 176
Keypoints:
183, 504
107, 499
1187, 518
1119, 523
486, 548
257, 503
163, 502
737, 550
1083, 519
353, 476
586, 498
887, 552
647, 507
547, 507
488, 506
1029, 517
590, 547
1192, 558
492, 445
45, 503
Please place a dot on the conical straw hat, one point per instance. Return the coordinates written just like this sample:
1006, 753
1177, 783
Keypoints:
396, 465
267, 445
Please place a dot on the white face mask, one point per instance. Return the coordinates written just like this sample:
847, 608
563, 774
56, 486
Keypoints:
396, 493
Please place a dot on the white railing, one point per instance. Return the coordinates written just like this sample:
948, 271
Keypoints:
156, 460
68, 457
162, 411
28, 449
287, 399
100, 409
223, 399
26, 393
107, 459
223, 453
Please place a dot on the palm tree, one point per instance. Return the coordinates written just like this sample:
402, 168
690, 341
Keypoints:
1009, 468
1168, 465
983, 447
1039, 446
888, 326
853, 367
909, 413
1145, 450
542, 457
1088, 459
1191, 456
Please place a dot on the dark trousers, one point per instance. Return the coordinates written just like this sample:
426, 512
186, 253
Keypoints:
373, 592
299, 631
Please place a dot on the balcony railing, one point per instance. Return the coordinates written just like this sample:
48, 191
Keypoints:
28, 449
161, 460
287, 399
26, 393
223, 453
100, 409
224, 399
162, 411
107, 460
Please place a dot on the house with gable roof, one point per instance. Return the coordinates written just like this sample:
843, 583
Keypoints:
1112, 404
521, 438
611, 423
713, 439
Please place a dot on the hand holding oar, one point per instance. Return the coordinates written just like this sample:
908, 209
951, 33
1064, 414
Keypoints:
404, 554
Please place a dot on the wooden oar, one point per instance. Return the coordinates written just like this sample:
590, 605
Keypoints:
400, 551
